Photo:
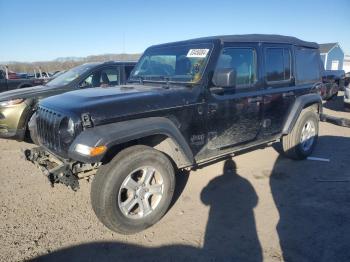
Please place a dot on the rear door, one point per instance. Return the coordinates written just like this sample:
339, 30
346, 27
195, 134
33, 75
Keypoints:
279, 92
234, 116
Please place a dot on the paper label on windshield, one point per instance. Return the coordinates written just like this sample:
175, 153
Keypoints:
197, 52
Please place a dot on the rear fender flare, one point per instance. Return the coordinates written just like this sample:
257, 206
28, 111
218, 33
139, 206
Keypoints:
300, 103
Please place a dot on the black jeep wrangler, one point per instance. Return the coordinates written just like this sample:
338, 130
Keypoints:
186, 103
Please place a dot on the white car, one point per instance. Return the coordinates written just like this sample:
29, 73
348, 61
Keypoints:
347, 91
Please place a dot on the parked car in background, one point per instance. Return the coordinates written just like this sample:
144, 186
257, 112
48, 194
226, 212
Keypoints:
10, 81
347, 92
42, 75
186, 104
334, 82
17, 106
23, 75
347, 79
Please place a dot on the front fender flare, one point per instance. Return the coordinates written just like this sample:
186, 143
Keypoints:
118, 133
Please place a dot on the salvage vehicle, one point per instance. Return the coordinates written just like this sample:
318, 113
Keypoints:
6, 83
186, 104
17, 106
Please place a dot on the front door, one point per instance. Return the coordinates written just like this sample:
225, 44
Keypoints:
234, 115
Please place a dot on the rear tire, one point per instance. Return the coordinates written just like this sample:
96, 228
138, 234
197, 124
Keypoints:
301, 141
134, 190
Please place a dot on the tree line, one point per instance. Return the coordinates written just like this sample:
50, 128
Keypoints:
67, 63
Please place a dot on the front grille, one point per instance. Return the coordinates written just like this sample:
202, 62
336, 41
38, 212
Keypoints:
48, 126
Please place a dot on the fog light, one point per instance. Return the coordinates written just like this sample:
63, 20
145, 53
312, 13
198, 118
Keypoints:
90, 151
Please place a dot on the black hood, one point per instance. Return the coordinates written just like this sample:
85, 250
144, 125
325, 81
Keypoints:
115, 103
31, 92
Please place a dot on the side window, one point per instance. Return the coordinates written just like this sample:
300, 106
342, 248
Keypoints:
93, 80
277, 64
87, 82
109, 77
307, 65
243, 61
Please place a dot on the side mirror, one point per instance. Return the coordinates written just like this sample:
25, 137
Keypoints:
225, 77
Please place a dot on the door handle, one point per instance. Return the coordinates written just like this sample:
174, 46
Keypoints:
255, 99
288, 94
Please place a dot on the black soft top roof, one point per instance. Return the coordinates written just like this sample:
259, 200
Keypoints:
258, 38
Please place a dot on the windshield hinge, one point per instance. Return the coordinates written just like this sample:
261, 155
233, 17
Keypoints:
86, 118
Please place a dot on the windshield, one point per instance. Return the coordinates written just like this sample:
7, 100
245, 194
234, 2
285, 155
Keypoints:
70, 75
183, 63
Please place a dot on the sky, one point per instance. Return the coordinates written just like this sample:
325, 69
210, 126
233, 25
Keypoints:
39, 30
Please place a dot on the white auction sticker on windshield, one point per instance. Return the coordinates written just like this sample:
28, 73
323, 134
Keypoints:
197, 52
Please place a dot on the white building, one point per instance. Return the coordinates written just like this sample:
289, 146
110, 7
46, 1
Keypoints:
332, 56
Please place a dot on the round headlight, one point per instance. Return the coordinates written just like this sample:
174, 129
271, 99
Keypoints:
67, 130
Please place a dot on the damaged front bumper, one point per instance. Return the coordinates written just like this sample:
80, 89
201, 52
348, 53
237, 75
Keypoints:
59, 170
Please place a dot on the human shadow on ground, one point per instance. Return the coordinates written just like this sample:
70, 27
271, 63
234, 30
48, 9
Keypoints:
230, 234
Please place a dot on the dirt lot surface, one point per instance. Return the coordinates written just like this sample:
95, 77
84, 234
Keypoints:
260, 207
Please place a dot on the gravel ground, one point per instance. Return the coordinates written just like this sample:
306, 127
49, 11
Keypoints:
261, 206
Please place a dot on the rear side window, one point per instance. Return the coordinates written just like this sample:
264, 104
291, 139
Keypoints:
277, 64
307, 65
243, 61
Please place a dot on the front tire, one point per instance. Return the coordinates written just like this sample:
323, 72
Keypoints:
301, 141
134, 190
